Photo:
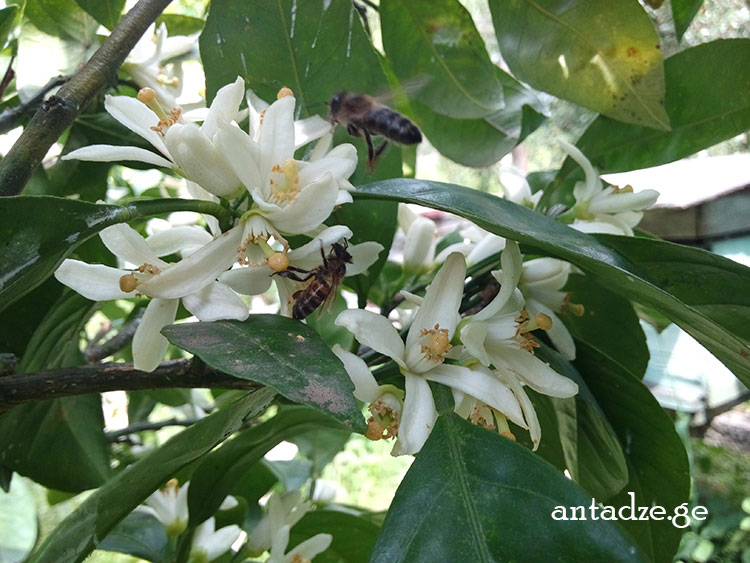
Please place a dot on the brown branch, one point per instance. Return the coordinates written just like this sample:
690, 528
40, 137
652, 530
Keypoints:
80, 380
11, 116
59, 111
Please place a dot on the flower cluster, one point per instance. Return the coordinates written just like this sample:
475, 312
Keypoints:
270, 534
274, 196
486, 359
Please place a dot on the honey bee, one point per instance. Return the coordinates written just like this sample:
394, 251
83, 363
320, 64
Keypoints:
364, 117
325, 279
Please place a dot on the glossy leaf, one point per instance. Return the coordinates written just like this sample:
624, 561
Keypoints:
61, 18
87, 526
180, 24
106, 12
609, 323
482, 142
620, 272
683, 12
601, 55
434, 44
69, 430
592, 453
472, 495
220, 471
140, 535
279, 352
658, 465
31, 251
7, 22
315, 48
353, 535
320, 446
704, 108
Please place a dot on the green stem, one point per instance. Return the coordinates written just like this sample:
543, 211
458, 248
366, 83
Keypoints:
59, 111
157, 206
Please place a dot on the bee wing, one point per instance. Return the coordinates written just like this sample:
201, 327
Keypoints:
407, 88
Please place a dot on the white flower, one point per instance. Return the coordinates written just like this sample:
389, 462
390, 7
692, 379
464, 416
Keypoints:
541, 284
145, 62
605, 210
209, 543
170, 506
187, 148
478, 244
517, 189
419, 240
289, 196
193, 280
498, 337
422, 357
305, 551
256, 278
280, 511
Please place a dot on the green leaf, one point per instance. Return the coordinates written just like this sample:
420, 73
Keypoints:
25, 315
31, 251
590, 447
608, 265
221, 471
279, 352
353, 536
704, 108
318, 47
59, 443
18, 522
609, 323
62, 18
7, 23
683, 12
140, 535
180, 24
106, 12
320, 446
601, 55
482, 142
84, 528
658, 465
437, 40
489, 499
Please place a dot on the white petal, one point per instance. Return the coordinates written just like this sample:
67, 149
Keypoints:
363, 255
309, 129
308, 255
311, 547
489, 245
607, 202
224, 107
127, 244
309, 209
419, 247
418, 417
242, 154
197, 270
252, 280
375, 331
215, 302
482, 384
196, 192
593, 185
529, 413
512, 268
178, 238
473, 336
441, 301
277, 134
365, 387
221, 540
338, 167
94, 281
558, 333
534, 372
149, 345
599, 227
137, 117
112, 153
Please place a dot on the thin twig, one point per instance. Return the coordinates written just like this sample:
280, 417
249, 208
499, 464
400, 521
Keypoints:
143, 426
96, 352
81, 380
11, 116
8, 77
59, 111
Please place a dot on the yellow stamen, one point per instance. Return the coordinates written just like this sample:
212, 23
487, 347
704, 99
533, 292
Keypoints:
383, 424
284, 92
278, 261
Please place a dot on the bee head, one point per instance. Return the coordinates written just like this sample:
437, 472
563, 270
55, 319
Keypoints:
335, 104
341, 253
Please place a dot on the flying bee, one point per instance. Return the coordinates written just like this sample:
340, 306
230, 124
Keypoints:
324, 280
364, 117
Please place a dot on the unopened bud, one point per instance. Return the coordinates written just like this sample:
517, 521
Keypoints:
284, 92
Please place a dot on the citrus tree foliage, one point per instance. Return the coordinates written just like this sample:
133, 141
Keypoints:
521, 323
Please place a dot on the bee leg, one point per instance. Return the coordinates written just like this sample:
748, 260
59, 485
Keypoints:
292, 276
353, 130
380, 149
370, 151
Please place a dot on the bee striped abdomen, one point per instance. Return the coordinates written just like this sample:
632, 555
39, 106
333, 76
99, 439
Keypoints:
311, 298
392, 125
